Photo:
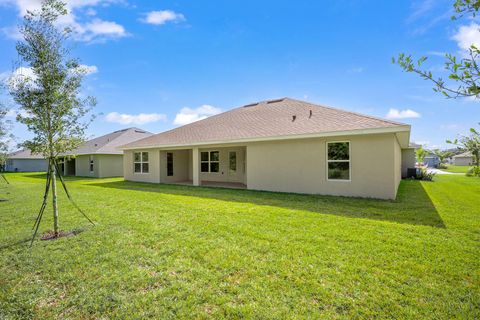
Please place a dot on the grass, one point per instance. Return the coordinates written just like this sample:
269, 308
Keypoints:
161, 252
457, 169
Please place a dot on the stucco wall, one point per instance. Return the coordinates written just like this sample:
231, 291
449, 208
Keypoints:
180, 166
408, 160
154, 167
26, 165
224, 174
300, 166
463, 161
397, 165
110, 165
82, 166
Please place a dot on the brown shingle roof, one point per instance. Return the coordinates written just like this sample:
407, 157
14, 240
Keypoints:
273, 118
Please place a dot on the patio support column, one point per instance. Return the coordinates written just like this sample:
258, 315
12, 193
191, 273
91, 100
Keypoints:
196, 167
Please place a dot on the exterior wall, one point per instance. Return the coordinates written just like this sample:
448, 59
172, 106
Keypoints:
82, 166
463, 161
181, 165
153, 163
26, 165
224, 173
408, 160
109, 165
300, 166
397, 163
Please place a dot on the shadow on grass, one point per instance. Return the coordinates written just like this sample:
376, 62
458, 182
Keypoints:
412, 206
43, 175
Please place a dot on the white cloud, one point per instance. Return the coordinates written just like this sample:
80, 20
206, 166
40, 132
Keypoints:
86, 70
25, 74
140, 118
162, 17
188, 115
402, 114
468, 35
13, 113
93, 30
356, 70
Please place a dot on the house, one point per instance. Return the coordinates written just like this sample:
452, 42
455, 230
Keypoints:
431, 160
100, 157
25, 161
281, 145
409, 159
463, 159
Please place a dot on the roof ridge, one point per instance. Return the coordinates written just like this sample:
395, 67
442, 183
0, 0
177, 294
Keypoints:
347, 111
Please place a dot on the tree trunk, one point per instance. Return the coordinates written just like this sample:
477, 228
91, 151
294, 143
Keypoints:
54, 197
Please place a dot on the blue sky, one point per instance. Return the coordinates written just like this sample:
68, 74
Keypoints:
159, 64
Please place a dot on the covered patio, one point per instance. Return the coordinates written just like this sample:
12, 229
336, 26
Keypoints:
212, 167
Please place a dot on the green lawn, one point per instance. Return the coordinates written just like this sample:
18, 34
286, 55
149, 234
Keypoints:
457, 169
162, 252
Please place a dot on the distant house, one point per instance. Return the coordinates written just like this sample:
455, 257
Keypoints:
100, 157
431, 160
463, 159
281, 145
25, 161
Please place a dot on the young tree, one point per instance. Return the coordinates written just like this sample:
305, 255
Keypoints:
442, 155
470, 143
50, 98
464, 72
420, 153
5, 137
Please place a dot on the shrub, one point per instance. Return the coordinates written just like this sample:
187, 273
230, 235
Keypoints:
424, 174
473, 172
442, 166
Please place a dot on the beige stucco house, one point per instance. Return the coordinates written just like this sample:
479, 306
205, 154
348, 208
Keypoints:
281, 145
100, 157
463, 159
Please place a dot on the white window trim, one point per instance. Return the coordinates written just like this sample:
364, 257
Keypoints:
349, 161
141, 162
209, 161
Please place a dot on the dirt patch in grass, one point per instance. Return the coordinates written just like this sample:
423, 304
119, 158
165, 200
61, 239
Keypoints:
50, 235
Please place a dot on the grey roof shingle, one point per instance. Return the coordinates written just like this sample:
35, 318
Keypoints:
109, 143
106, 144
24, 154
273, 118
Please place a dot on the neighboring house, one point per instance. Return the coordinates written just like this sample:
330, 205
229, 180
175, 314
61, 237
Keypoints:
281, 145
431, 160
463, 159
100, 157
409, 159
25, 161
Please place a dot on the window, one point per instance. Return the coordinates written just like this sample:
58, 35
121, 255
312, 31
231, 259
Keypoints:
338, 160
140, 162
210, 161
232, 161
169, 164
91, 163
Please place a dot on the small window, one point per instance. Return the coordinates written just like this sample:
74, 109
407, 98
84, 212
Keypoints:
232, 159
91, 163
169, 164
210, 161
140, 162
338, 160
